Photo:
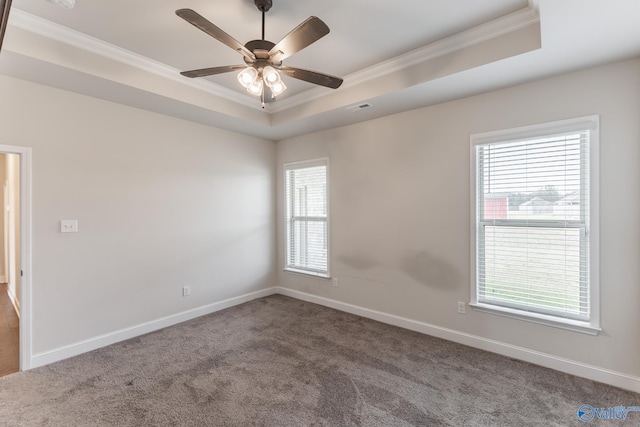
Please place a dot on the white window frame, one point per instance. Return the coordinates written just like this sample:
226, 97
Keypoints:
294, 269
591, 123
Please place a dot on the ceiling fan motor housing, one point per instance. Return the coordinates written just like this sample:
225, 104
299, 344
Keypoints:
263, 5
260, 49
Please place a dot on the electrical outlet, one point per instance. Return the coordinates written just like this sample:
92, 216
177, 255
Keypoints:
69, 226
334, 282
186, 291
462, 307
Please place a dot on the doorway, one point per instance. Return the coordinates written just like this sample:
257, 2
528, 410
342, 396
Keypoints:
10, 264
15, 256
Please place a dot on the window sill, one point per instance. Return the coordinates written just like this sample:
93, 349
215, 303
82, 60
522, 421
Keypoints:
307, 273
542, 319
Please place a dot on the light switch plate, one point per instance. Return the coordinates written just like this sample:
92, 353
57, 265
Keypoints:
69, 226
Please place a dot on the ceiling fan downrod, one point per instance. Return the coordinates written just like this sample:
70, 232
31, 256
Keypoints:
263, 6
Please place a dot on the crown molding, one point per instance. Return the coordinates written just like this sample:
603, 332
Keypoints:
465, 39
42, 27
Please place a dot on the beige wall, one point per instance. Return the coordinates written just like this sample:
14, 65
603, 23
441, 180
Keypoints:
400, 196
161, 203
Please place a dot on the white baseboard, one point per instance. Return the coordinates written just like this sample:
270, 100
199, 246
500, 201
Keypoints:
568, 366
55, 355
3, 279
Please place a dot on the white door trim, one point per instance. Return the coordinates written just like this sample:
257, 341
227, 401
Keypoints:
26, 349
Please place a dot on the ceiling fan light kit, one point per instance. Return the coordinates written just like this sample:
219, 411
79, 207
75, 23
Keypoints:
262, 73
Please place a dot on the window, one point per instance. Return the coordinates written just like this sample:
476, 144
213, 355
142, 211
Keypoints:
306, 217
535, 223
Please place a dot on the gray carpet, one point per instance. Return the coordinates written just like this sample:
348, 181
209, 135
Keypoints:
278, 361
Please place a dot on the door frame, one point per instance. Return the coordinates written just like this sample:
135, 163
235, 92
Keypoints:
25, 254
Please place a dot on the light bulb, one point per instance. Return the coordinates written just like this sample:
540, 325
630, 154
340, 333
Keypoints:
271, 76
247, 76
278, 88
255, 88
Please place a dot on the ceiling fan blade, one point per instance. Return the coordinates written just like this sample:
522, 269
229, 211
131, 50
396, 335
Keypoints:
5, 7
203, 24
300, 37
212, 71
312, 77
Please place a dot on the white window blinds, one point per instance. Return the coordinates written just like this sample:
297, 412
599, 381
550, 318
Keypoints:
532, 210
306, 217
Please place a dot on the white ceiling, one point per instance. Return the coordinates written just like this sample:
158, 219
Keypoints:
393, 55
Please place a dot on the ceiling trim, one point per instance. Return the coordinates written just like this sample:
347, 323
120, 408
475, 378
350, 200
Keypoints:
60, 33
473, 36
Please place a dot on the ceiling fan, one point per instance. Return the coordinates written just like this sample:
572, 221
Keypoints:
260, 74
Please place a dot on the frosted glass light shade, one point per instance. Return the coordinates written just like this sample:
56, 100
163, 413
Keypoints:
247, 76
255, 88
270, 76
278, 88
